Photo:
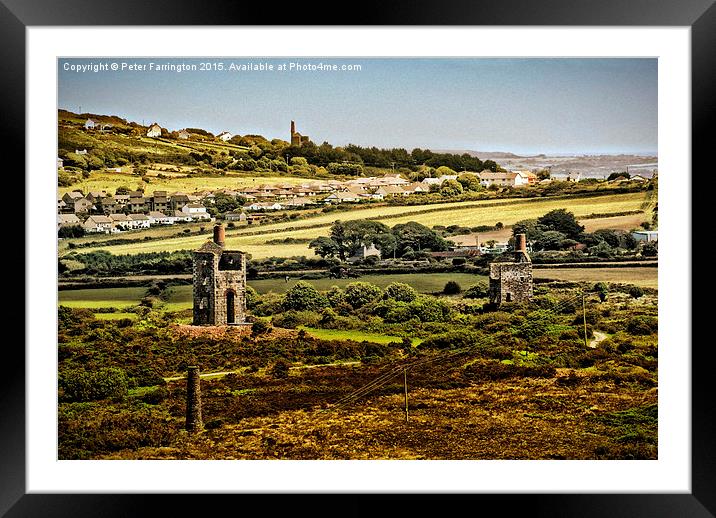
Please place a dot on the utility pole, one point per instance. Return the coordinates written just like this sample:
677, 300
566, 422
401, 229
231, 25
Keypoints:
584, 318
405, 385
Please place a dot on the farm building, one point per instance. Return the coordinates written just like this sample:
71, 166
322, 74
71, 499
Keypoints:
155, 130
225, 136
89, 124
183, 135
511, 281
219, 283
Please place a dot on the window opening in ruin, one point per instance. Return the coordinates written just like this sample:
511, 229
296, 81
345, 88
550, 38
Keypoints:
230, 310
508, 297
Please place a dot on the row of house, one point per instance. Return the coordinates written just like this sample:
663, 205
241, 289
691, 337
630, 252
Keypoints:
134, 202
118, 222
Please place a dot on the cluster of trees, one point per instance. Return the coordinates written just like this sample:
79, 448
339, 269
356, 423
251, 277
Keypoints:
102, 262
406, 240
560, 230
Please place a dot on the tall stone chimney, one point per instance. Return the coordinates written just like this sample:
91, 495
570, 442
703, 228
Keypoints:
293, 128
219, 236
193, 400
521, 248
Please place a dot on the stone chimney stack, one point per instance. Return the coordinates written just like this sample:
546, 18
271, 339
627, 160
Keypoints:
293, 128
219, 236
521, 248
193, 400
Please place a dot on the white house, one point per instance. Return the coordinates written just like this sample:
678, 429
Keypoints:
488, 178
263, 206
89, 124
183, 135
159, 218
139, 220
81, 151
236, 216
98, 224
155, 130
224, 135
391, 191
178, 215
344, 197
195, 211
60, 163
120, 221
365, 251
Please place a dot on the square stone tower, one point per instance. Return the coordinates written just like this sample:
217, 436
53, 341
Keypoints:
219, 283
511, 281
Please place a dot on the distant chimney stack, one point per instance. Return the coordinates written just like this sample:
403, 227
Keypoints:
521, 243
293, 127
219, 236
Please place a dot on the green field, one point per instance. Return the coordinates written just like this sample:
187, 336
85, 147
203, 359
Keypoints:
462, 213
101, 298
181, 296
355, 335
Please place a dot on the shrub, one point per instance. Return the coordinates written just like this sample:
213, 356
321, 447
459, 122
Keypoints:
304, 296
400, 292
91, 385
642, 325
477, 291
430, 309
280, 369
260, 327
452, 288
358, 294
636, 292
293, 319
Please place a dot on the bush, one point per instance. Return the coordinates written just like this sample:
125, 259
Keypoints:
477, 291
358, 294
452, 288
636, 292
400, 292
85, 385
642, 325
260, 327
293, 319
304, 296
280, 369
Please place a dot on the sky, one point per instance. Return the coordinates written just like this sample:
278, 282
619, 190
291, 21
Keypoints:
524, 106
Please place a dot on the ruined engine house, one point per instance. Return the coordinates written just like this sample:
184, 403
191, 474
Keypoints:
511, 278
219, 283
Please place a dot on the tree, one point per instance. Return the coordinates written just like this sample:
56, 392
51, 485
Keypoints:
71, 231
358, 294
450, 188
602, 290
444, 171
400, 292
304, 296
550, 240
417, 237
469, 182
451, 288
650, 249
562, 221
325, 247
477, 291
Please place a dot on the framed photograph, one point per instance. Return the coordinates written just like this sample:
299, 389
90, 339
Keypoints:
419, 254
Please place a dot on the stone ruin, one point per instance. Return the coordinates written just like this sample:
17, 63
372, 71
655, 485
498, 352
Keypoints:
511, 280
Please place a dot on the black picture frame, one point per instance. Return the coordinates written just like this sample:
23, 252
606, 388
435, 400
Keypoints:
17, 15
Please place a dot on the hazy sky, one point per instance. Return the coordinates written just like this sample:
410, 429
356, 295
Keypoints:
519, 105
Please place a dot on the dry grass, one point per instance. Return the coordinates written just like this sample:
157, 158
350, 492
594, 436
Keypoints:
519, 419
647, 277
